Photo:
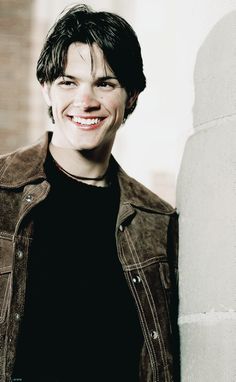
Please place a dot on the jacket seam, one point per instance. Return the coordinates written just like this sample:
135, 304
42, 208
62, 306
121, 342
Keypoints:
144, 278
146, 263
148, 343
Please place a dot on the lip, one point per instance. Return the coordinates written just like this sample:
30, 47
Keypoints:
85, 126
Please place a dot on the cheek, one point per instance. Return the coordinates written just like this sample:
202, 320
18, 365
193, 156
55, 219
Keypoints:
117, 106
117, 103
59, 104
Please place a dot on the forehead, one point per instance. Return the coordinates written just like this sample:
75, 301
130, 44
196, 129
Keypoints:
85, 57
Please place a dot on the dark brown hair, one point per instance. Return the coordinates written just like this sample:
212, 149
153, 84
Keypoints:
110, 32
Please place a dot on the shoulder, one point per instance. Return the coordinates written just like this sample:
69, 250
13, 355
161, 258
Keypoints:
24, 164
144, 196
138, 195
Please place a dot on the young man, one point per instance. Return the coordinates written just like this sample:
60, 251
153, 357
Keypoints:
88, 255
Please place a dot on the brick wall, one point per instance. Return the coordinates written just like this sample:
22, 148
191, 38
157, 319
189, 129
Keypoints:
15, 56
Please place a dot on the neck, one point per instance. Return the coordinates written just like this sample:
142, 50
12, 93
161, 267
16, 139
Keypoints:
80, 167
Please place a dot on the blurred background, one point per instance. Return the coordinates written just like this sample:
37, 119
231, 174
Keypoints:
150, 145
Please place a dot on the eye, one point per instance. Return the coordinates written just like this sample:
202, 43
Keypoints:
65, 84
105, 84
108, 85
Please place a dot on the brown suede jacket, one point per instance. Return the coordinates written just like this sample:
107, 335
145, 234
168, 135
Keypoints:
147, 248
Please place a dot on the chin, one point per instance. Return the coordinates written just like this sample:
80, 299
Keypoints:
85, 148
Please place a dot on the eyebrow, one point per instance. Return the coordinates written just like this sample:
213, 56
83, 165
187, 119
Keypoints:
104, 78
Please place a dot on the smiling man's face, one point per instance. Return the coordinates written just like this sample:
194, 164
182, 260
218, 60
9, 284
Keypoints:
88, 102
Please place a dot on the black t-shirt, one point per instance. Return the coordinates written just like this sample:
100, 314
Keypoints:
80, 321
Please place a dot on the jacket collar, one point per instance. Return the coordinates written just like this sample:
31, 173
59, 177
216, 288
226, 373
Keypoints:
26, 165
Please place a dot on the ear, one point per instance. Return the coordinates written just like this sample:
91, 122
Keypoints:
131, 99
46, 93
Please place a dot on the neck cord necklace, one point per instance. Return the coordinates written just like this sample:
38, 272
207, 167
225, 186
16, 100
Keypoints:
77, 177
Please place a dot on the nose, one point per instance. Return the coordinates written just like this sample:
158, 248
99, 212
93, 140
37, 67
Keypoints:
86, 99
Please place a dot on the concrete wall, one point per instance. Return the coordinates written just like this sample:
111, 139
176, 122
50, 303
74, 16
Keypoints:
206, 201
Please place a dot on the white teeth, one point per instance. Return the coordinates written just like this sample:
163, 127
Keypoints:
86, 121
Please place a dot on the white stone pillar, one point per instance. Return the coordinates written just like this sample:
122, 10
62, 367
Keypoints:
206, 201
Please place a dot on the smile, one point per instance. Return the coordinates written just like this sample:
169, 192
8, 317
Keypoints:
86, 123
